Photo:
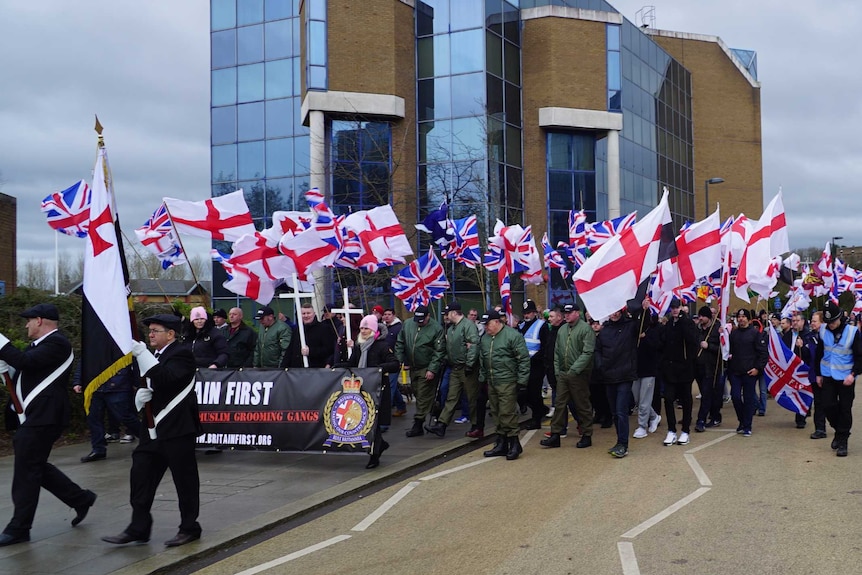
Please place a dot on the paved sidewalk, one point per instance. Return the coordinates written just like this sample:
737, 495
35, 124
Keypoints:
241, 492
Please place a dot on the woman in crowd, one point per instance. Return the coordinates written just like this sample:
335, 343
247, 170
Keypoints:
206, 342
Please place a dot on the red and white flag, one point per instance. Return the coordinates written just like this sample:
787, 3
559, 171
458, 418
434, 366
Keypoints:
767, 240
610, 278
380, 236
699, 248
223, 218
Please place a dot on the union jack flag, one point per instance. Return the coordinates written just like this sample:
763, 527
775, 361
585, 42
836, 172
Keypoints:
157, 235
438, 224
325, 223
553, 259
786, 376
69, 211
600, 232
505, 290
421, 282
576, 249
465, 248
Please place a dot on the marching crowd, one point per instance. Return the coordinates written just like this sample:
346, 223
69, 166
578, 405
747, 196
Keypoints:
600, 373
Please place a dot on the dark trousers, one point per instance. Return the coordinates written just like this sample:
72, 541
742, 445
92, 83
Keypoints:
619, 398
150, 460
816, 408
32, 472
711, 393
599, 401
534, 392
838, 406
118, 405
481, 406
658, 394
680, 390
743, 393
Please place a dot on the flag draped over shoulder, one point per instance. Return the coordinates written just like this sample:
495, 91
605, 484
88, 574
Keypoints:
609, 278
222, 218
106, 324
68, 211
786, 376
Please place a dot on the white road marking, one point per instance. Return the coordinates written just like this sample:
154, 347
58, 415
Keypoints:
294, 555
459, 468
664, 514
628, 559
710, 443
387, 505
528, 436
698, 470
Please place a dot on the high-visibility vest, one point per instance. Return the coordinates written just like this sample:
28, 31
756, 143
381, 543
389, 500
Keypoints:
837, 361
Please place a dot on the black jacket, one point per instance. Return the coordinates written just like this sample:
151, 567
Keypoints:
379, 355
240, 346
649, 350
615, 359
207, 345
34, 364
678, 348
320, 340
174, 372
710, 357
747, 350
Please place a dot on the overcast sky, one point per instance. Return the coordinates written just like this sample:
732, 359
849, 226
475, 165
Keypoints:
144, 68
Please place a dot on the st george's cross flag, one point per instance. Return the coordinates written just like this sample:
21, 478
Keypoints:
221, 218
106, 327
68, 211
786, 376
699, 247
611, 277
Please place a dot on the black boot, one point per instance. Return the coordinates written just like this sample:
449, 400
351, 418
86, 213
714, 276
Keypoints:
552, 441
841, 451
500, 448
416, 430
438, 429
515, 449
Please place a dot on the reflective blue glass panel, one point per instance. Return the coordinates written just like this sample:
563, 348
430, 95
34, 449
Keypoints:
512, 63
224, 163
279, 118
250, 160
513, 145
279, 78
279, 41
298, 128
513, 104
279, 157
222, 14
317, 43
277, 9
434, 98
614, 76
280, 192
468, 51
301, 149
433, 56
224, 49
494, 54
468, 94
249, 12
317, 77
250, 118
316, 9
224, 87
250, 83
559, 151
470, 14
224, 125
249, 42
468, 139
613, 37
432, 16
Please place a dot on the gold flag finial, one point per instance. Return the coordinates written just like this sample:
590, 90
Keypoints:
98, 126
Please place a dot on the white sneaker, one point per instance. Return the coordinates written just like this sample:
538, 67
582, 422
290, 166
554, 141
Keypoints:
640, 433
698, 396
671, 438
683, 439
550, 414
653, 423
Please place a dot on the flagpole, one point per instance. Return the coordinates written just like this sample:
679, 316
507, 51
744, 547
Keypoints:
180, 240
56, 266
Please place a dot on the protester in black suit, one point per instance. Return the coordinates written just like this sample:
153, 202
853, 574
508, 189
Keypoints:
319, 342
372, 350
41, 381
171, 445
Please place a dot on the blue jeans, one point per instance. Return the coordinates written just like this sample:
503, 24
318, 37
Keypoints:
620, 399
397, 398
118, 403
743, 392
761, 402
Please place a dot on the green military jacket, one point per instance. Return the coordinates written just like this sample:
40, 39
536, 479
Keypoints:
504, 359
421, 347
462, 344
573, 352
272, 342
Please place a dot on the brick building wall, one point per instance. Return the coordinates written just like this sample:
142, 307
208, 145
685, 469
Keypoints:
727, 130
8, 241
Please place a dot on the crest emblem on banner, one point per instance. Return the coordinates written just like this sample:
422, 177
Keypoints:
349, 414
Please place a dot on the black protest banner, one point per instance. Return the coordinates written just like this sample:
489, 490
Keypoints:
293, 410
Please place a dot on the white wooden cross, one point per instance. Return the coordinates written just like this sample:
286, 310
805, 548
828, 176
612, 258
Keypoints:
347, 310
296, 296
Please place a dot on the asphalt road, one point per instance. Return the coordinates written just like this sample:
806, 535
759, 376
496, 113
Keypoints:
777, 502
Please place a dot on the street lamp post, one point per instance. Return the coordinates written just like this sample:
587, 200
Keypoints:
834, 249
706, 193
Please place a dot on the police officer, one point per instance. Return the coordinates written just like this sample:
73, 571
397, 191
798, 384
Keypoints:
535, 332
504, 365
839, 361
41, 380
573, 362
462, 349
419, 348
171, 443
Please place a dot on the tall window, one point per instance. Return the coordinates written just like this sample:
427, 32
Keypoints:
360, 153
316, 60
571, 167
614, 71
